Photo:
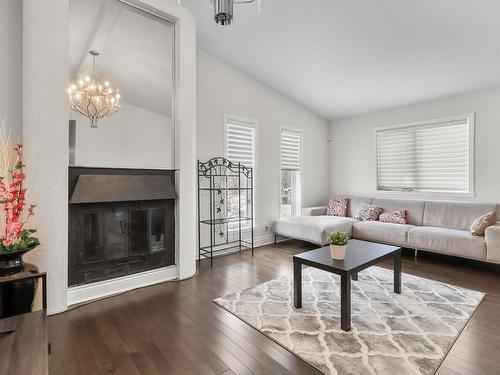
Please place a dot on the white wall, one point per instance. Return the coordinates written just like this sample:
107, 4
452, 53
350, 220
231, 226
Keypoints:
223, 89
352, 151
11, 49
131, 138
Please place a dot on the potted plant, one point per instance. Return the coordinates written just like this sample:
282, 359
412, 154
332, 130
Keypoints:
15, 240
338, 244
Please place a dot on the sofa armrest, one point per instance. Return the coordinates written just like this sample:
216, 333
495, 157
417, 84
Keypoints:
492, 237
314, 211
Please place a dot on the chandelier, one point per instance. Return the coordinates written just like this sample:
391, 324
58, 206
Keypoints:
224, 10
92, 98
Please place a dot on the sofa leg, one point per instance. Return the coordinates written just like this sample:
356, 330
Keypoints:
416, 253
275, 240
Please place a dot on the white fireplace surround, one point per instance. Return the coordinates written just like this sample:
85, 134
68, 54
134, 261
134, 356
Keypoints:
45, 122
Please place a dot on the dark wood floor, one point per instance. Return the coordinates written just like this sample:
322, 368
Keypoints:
175, 328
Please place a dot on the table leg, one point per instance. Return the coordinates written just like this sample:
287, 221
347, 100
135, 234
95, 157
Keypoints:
397, 272
355, 276
345, 302
297, 284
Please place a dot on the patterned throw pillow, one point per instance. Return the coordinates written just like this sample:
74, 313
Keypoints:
481, 223
396, 217
337, 207
367, 212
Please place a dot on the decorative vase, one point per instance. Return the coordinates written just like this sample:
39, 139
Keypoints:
15, 297
338, 252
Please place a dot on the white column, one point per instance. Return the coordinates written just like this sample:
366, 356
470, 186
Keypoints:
186, 147
45, 137
11, 44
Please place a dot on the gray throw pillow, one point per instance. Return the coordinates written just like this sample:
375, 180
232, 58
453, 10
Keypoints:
367, 212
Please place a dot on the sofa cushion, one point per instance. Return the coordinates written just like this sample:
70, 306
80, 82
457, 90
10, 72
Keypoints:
366, 212
414, 208
454, 215
313, 229
449, 241
337, 207
354, 203
377, 231
396, 217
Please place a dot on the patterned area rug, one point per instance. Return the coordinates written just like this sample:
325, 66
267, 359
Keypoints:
410, 333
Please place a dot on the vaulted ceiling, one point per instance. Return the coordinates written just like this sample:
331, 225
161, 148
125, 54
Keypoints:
135, 49
343, 57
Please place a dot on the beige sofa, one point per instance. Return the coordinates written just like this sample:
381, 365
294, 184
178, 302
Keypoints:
436, 226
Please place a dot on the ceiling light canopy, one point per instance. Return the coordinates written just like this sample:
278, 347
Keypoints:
93, 99
224, 10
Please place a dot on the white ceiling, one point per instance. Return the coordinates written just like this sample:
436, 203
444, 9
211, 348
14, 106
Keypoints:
135, 49
343, 57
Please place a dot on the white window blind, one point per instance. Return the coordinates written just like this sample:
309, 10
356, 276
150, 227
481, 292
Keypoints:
290, 144
240, 142
434, 156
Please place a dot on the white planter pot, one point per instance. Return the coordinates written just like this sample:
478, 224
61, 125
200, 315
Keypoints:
338, 252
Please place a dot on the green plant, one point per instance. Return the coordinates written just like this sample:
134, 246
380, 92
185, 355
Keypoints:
338, 238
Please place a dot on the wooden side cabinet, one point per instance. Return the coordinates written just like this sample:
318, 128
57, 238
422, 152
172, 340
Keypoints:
24, 347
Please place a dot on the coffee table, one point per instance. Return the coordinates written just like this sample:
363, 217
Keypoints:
359, 256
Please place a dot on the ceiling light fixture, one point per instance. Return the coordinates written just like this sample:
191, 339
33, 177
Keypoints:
92, 98
223, 10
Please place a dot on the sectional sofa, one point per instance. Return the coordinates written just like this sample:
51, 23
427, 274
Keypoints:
436, 226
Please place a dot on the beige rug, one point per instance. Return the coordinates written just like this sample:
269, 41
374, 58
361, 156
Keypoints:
410, 333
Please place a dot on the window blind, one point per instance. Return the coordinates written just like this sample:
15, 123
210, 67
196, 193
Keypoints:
433, 157
240, 143
290, 143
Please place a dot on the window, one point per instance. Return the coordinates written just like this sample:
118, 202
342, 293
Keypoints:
240, 147
427, 157
290, 172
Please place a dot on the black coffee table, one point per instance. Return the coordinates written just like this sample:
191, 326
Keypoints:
359, 256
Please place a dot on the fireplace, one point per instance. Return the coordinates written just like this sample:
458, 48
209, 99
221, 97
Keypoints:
121, 222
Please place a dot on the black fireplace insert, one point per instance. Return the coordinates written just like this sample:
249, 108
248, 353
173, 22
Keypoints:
121, 222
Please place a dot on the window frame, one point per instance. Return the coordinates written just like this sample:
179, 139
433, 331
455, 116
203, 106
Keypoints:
470, 118
251, 123
301, 162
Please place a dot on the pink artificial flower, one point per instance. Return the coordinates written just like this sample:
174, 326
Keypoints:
13, 200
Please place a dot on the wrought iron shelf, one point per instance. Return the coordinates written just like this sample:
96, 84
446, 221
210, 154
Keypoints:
225, 188
225, 220
235, 189
225, 247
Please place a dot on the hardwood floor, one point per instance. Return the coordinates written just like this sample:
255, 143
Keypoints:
175, 328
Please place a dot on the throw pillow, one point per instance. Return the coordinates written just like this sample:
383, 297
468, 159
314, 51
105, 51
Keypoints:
396, 217
367, 212
337, 207
482, 222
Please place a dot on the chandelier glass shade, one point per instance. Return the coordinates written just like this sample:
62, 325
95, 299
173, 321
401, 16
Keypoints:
93, 98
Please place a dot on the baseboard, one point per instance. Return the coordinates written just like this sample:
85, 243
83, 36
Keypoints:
83, 293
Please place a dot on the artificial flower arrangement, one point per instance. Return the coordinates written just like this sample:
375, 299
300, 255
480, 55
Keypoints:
14, 237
